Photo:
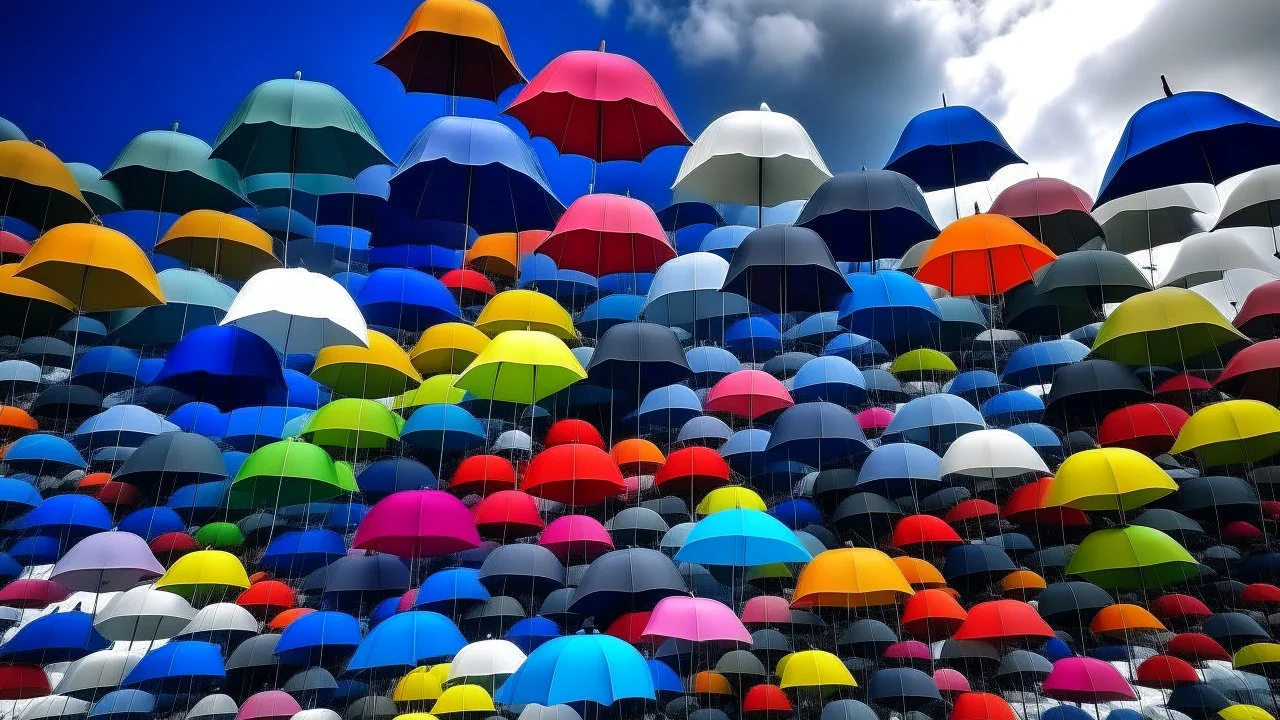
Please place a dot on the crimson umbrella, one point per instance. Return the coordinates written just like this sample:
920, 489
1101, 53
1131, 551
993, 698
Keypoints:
749, 394
508, 514
1253, 373
1004, 621
605, 234
692, 470
1054, 211
574, 474
1164, 672
1259, 316
1149, 428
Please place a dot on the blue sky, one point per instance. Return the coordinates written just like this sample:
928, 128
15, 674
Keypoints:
85, 81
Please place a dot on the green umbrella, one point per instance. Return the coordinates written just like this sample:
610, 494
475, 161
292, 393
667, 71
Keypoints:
298, 127
922, 364
168, 171
1132, 558
290, 473
102, 195
220, 535
353, 423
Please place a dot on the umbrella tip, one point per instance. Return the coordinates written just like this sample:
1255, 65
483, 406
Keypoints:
297, 74
764, 107
175, 126
976, 211
602, 46
1164, 82
39, 143
944, 99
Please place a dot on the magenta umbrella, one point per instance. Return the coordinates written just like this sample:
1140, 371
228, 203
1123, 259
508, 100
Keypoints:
874, 420
577, 536
1053, 210
695, 620
908, 650
417, 524
604, 234
1086, 680
950, 681
749, 394
31, 593
766, 610
107, 562
269, 705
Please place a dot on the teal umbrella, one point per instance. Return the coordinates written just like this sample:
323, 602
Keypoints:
168, 171
9, 131
193, 299
102, 195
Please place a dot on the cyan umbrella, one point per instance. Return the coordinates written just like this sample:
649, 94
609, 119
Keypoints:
604, 670
742, 538
192, 299
948, 147
103, 196
171, 172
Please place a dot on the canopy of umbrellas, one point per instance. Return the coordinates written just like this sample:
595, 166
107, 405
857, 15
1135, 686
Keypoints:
782, 449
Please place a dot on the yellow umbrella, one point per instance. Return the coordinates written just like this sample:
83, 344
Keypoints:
447, 348
417, 687
37, 188
219, 242
28, 308
731, 497
919, 573
813, 669
381, 370
1244, 712
1231, 432
521, 366
415, 716
525, 310
204, 573
97, 268
435, 390
850, 578
461, 699
1111, 478
440, 671
1262, 658
1164, 326
922, 363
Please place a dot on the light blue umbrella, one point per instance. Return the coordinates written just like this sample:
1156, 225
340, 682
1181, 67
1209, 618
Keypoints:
900, 469
829, 378
724, 240
934, 421
741, 538
686, 293
579, 668
120, 425
1035, 364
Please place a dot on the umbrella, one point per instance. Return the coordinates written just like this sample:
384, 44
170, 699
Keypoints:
404, 641
1131, 557
106, 562
454, 48
1251, 374
103, 196
813, 669
219, 243
786, 269
203, 573
94, 267
417, 523
868, 215
1081, 680
1230, 432
525, 310
950, 146
903, 689
850, 578
888, 306
638, 357
742, 538
1108, 479
143, 613
696, 620
1054, 211
166, 171
37, 188
604, 670
602, 234
297, 311
522, 366
984, 254
57, 637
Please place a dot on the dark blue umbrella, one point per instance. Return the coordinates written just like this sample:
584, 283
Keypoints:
301, 552
685, 214
903, 690
868, 215
16, 498
818, 434
392, 475
357, 579
1189, 137
636, 357
202, 502
182, 667
225, 365
609, 311
626, 283
888, 306
106, 369
318, 638
38, 550
406, 299
530, 633
249, 428
53, 638
124, 705
570, 288
300, 391
403, 642
785, 269
450, 591
200, 418
150, 523
858, 349
427, 258
475, 172
358, 202
950, 146
973, 566
754, 339
65, 516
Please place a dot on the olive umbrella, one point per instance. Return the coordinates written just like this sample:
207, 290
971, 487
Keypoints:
1231, 432
454, 48
166, 171
37, 188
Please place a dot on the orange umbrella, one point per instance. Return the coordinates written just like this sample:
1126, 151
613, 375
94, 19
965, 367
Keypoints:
92, 483
96, 268
933, 614
1021, 584
501, 253
850, 578
282, 620
982, 254
15, 422
220, 243
919, 573
711, 683
1123, 618
637, 456
455, 48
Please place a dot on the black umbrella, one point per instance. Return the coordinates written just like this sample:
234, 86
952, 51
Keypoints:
1071, 605
70, 402
1234, 630
636, 357
865, 516
832, 486
903, 690
1070, 291
1217, 500
371, 707
786, 269
971, 567
1084, 392
1051, 560
944, 500
869, 215
637, 527
354, 580
1186, 531
522, 569
1023, 670
971, 656
824, 536
170, 460
1199, 701
492, 618
626, 581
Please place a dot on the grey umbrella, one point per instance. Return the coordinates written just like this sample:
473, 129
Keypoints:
169, 460
213, 707
522, 569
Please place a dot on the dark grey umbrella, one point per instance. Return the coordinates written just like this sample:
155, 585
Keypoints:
1023, 669
1186, 531
313, 687
674, 510
869, 215
1085, 392
787, 364
867, 638
636, 357
371, 707
46, 352
1070, 291
167, 461
1071, 605
1217, 500
1234, 630
847, 710
626, 581
355, 579
770, 645
254, 666
72, 402
522, 569
742, 666
492, 618
786, 269
865, 516
555, 607
637, 527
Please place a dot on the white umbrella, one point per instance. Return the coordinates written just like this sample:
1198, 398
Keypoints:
752, 157
486, 659
213, 707
143, 613
298, 311
1207, 257
316, 714
991, 454
96, 671
54, 707
1254, 202
219, 619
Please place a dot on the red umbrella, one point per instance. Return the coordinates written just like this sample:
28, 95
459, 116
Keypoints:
1259, 316
1026, 506
31, 593
749, 394
1241, 531
1186, 391
1262, 594
12, 248
1196, 647
483, 475
172, 545
117, 494
508, 514
694, 470
1149, 428
767, 701
265, 599
574, 474
573, 430
470, 285
926, 530
974, 509
1175, 607
23, 682
1164, 672
932, 614
598, 105
1004, 621
1253, 373
981, 706
630, 626
1054, 211
603, 234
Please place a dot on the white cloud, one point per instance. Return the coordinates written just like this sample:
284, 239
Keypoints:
601, 7
784, 42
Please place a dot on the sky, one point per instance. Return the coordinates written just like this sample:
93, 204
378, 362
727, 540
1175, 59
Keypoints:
1059, 77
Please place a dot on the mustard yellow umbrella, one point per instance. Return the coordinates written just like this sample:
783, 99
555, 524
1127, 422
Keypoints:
28, 308
1111, 478
731, 497
850, 578
463, 699
220, 243
204, 574
525, 310
37, 188
521, 366
417, 687
447, 348
96, 268
1244, 712
435, 390
816, 669
1165, 326
1231, 432
381, 370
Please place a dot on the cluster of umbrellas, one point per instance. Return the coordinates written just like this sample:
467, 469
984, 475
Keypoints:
341, 439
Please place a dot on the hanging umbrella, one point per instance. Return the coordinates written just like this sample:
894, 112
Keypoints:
227, 366
1131, 557
29, 307
605, 670
1251, 374
601, 234
984, 254
166, 171
1149, 428
106, 562
696, 620
1054, 211
57, 637
1082, 680
143, 613
815, 669
1229, 432
850, 578
289, 472
521, 366
37, 188
454, 48
741, 538
525, 310
10, 131
417, 523
404, 641
752, 157
785, 269
103, 196
1084, 393
574, 474
868, 215
297, 311
220, 243
381, 370
637, 357
94, 267
903, 690
950, 146
352, 423
991, 454
890, 307
1108, 479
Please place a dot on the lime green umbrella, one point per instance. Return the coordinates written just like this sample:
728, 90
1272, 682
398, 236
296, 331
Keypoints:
290, 472
521, 366
298, 127
1132, 558
435, 390
1163, 327
220, 535
169, 171
353, 424
1231, 432
921, 364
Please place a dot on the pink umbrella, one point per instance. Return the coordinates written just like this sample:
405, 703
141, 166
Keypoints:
417, 523
407, 599
604, 234
695, 620
577, 536
269, 705
1053, 210
749, 394
1086, 680
950, 682
908, 650
766, 610
874, 420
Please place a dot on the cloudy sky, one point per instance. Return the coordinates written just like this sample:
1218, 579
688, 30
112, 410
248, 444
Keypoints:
1059, 77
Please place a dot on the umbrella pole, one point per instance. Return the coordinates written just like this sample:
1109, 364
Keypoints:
293, 166
599, 158
760, 192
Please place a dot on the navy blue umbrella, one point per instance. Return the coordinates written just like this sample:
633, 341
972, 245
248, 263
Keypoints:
818, 434
950, 146
903, 690
392, 475
868, 215
301, 552
785, 269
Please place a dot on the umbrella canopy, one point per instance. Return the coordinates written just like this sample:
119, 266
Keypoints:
521, 366
298, 311
380, 370
37, 188
1054, 211
417, 523
220, 243
786, 269
455, 48
1229, 432
696, 620
741, 538
94, 267
102, 195
169, 171
107, 562
602, 234
950, 146
850, 578
984, 254
1108, 479
868, 215
577, 668
1131, 557
1082, 679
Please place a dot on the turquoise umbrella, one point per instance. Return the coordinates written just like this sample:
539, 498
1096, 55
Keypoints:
742, 538
102, 195
194, 299
168, 171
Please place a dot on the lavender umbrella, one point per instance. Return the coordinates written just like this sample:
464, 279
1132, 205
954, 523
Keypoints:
106, 562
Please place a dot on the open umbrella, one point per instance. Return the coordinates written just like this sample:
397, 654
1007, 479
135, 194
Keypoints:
601, 234
37, 188
166, 171
950, 146
604, 670
94, 267
454, 48
984, 254
297, 311
1054, 211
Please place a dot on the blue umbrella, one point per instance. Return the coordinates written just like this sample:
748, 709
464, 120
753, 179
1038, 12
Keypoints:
301, 552
406, 299
41, 454
65, 516
829, 378
451, 590
150, 523
53, 638
724, 240
124, 705
120, 425
1035, 364
704, 430
38, 550
857, 349
200, 418
710, 363
351, 281
969, 567
570, 288
106, 369
300, 391
934, 421
950, 146
285, 224
665, 680
609, 311
962, 320
531, 633
1041, 437
888, 306
357, 202
427, 258
403, 642
818, 434
903, 690
392, 475
16, 498
225, 365
579, 668
745, 450
784, 214
249, 428
976, 386
684, 214
186, 666
670, 406
1013, 407
475, 172
1189, 137
816, 329
869, 214
742, 538
755, 339
686, 293
625, 283
201, 502
900, 469
9, 568
443, 428
318, 638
